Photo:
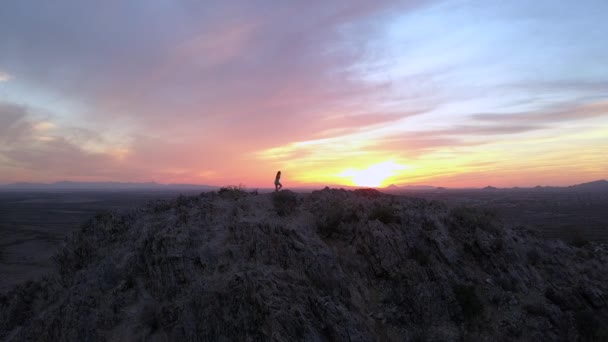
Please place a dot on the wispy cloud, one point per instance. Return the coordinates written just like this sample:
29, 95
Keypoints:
227, 92
4, 76
27, 146
556, 114
448, 155
12, 125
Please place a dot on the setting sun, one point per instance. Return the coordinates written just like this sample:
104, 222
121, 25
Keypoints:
399, 104
373, 176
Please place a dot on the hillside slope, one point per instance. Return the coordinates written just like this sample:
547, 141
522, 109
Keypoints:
332, 265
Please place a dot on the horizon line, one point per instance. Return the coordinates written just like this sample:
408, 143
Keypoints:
99, 185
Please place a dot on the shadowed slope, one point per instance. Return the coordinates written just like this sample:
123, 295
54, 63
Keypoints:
332, 265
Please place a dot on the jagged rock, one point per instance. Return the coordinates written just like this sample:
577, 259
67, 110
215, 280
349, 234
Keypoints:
332, 265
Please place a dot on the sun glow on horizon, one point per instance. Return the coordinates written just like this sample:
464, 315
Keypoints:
373, 176
373, 95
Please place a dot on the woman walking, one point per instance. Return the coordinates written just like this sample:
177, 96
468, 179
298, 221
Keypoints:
277, 183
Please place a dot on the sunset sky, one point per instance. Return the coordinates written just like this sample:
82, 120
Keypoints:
367, 93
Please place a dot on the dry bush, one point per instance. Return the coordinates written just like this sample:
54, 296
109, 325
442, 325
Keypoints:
468, 300
470, 219
385, 213
578, 241
74, 256
591, 326
333, 215
232, 191
420, 255
533, 256
285, 202
369, 193
18, 305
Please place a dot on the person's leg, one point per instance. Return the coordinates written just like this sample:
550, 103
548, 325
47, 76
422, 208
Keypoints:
280, 186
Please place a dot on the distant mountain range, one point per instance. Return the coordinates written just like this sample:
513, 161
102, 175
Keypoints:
101, 186
410, 187
599, 185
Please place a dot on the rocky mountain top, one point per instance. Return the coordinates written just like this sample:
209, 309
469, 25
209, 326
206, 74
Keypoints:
331, 265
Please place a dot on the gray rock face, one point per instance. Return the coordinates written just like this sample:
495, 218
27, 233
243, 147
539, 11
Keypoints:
330, 266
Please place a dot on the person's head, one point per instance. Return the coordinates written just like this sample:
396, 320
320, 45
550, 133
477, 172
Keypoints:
279, 173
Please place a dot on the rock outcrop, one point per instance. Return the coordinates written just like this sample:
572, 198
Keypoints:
333, 265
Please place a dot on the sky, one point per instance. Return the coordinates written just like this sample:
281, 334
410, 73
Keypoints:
347, 92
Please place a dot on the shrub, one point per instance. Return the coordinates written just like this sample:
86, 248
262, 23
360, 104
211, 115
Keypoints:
232, 191
507, 283
498, 244
566, 299
159, 206
469, 302
18, 305
369, 193
535, 309
579, 241
384, 213
74, 256
590, 327
184, 201
533, 256
473, 218
428, 224
420, 256
150, 317
285, 202
332, 215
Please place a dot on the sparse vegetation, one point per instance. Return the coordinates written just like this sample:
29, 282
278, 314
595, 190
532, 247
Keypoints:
160, 206
369, 193
333, 215
591, 326
471, 218
507, 283
428, 224
420, 256
536, 309
210, 268
184, 201
384, 213
579, 241
150, 317
285, 202
468, 300
232, 191
533, 256
77, 254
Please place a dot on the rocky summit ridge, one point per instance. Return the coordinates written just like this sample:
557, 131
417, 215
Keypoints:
332, 265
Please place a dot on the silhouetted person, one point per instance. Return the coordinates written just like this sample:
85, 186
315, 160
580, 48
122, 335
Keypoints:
277, 183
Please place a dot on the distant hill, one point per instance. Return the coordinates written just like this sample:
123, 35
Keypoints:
410, 187
100, 186
333, 265
599, 185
